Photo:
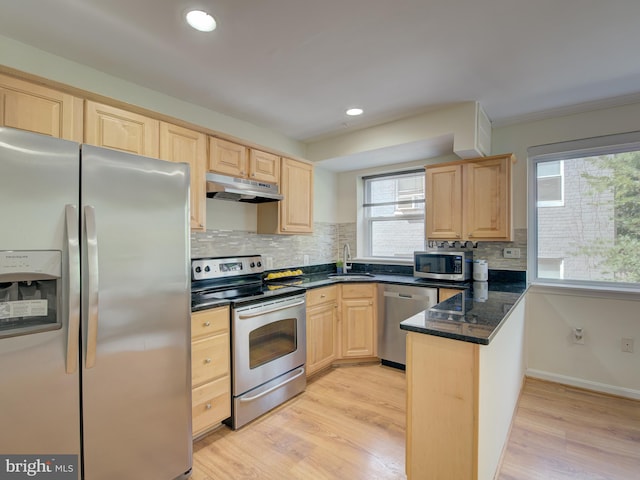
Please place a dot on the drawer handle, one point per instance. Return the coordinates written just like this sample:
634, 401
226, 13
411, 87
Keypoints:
208, 406
207, 360
206, 324
322, 296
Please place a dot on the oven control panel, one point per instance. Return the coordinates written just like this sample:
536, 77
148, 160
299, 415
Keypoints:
210, 268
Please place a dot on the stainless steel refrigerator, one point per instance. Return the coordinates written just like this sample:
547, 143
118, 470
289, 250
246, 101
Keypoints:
94, 308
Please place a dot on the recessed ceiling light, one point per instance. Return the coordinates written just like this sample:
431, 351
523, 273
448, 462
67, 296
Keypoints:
353, 112
201, 21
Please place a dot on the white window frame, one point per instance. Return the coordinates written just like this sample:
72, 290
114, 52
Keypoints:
408, 204
609, 144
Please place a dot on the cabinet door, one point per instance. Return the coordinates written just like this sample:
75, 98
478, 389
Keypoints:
227, 157
444, 293
264, 166
178, 144
358, 328
39, 109
322, 325
296, 210
487, 212
111, 127
444, 202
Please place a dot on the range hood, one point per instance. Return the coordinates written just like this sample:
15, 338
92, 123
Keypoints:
223, 187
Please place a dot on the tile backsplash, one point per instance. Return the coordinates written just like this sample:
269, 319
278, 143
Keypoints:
325, 246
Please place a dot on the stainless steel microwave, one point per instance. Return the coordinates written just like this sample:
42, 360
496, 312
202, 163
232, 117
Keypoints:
455, 266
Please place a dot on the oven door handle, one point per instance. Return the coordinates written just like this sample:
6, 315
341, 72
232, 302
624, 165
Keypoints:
275, 387
242, 316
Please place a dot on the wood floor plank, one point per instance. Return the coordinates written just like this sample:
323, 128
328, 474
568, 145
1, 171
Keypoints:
350, 424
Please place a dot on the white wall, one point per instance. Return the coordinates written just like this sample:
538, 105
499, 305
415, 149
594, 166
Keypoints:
502, 367
37, 62
599, 364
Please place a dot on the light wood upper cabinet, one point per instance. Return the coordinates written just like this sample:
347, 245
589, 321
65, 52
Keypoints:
264, 166
39, 109
111, 127
228, 158
358, 316
470, 200
487, 212
444, 202
293, 214
322, 328
179, 144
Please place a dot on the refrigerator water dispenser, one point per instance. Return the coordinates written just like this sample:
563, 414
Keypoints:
29, 291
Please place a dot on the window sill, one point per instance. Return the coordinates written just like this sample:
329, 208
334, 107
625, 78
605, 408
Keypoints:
620, 293
385, 260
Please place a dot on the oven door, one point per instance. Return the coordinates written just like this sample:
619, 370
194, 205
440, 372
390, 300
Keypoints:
269, 339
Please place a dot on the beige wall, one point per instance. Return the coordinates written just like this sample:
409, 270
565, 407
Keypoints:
552, 314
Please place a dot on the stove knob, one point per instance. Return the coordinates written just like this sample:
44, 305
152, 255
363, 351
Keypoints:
259, 264
207, 269
198, 269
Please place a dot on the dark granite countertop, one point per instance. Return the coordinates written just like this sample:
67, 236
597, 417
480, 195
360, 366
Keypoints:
474, 315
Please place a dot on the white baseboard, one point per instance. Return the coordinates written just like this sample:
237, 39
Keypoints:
586, 384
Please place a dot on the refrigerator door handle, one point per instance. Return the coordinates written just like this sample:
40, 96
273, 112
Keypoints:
73, 328
92, 281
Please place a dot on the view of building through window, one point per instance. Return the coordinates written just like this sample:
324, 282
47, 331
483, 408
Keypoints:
394, 214
588, 218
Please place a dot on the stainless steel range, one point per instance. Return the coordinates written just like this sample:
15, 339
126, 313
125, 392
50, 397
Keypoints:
268, 332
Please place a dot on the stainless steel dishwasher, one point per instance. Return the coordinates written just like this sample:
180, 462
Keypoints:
399, 302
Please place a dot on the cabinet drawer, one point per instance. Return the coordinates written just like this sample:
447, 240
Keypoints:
322, 295
209, 322
359, 290
211, 403
209, 359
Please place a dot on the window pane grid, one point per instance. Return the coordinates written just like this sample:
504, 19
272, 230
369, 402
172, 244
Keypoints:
591, 234
394, 214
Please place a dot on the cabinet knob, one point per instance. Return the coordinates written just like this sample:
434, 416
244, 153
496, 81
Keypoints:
322, 296
458, 235
206, 324
370, 303
253, 174
207, 360
470, 235
208, 406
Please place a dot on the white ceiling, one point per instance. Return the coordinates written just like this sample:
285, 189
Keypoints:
295, 65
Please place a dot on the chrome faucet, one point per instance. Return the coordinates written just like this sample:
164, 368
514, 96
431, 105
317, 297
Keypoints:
346, 257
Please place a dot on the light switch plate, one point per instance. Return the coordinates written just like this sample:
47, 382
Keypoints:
511, 253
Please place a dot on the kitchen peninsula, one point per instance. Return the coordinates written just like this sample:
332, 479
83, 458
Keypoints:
465, 367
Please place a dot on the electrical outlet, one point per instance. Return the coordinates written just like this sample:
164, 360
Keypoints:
627, 345
511, 253
305, 259
268, 263
578, 335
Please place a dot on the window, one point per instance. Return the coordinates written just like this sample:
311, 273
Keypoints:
394, 214
550, 181
584, 217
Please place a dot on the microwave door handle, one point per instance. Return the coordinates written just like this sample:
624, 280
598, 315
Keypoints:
93, 287
73, 287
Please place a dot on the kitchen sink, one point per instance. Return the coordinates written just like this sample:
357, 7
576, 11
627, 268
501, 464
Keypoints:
351, 276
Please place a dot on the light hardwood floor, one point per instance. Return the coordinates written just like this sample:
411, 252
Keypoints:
349, 424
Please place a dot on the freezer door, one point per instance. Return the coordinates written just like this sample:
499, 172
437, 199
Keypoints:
136, 387
39, 376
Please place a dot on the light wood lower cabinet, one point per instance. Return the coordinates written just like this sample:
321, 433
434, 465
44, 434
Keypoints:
35, 108
444, 293
210, 372
358, 314
322, 328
